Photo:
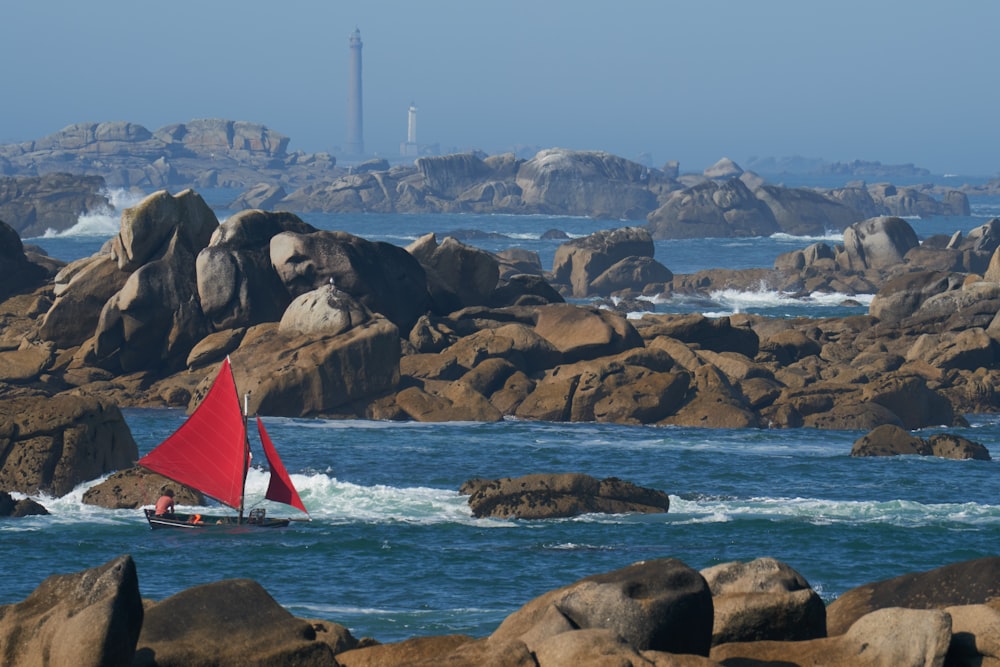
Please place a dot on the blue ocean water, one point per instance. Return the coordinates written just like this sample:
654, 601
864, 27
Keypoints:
392, 550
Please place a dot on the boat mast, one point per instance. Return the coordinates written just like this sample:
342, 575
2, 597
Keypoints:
246, 452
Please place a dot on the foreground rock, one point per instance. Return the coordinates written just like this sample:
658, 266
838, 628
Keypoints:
966, 583
763, 600
897, 637
230, 622
89, 619
658, 605
657, 612
545, 496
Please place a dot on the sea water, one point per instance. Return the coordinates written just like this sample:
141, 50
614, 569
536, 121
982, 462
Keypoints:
392, 551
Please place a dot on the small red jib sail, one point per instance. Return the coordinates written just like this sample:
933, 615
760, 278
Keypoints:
280, 489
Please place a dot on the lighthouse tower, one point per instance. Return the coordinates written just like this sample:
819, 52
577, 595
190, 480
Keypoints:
410, 148
355, 137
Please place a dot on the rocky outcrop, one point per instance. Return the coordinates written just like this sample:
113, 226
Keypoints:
878, 243
18, 271
966, 583
90, 618
199, 153
548, 496
33, 205
136, 487
607, 262
51, 444
383, 277
19, 508
891, 440
458, 275
595, 184
237, 284
713, 209
426, 333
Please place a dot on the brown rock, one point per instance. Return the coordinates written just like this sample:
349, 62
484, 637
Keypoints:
763, 600
585, 333
87, 619
19, 508
658, 605
966, 582
889, 440
545, 496
51, 444
230, 622
298, 375
82, 289
897, 637
909, 397
951, 446
137, 487
416, 651
975, 634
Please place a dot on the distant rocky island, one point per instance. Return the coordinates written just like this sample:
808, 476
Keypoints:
48, 183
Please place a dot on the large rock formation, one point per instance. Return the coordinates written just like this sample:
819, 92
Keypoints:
383, 277
587, 183
199, 153
548, 496
51, 444
713, 209
90, 619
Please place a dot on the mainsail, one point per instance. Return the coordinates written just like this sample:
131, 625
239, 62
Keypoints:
209, 451
280, 488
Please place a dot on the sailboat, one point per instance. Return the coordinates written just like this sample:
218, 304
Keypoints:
210, 452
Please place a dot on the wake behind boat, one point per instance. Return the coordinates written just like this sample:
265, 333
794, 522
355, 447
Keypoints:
210, 452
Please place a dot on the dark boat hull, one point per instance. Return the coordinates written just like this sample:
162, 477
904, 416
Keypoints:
201, 521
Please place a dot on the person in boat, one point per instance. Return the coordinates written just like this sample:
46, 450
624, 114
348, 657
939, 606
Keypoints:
165, 504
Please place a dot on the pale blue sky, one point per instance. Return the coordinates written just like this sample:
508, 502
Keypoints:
890, 80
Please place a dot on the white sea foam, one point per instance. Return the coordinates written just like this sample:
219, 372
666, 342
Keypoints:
104, 222
823, 511
829, 236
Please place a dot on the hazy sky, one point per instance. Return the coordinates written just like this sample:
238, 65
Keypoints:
895, 81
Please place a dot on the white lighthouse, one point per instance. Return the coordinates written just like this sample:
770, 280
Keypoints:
411, 124
410, 149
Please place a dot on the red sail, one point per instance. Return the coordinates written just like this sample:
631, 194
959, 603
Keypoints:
209, 451
280, 488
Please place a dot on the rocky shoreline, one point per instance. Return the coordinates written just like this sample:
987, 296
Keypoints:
651, 613
329, 324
